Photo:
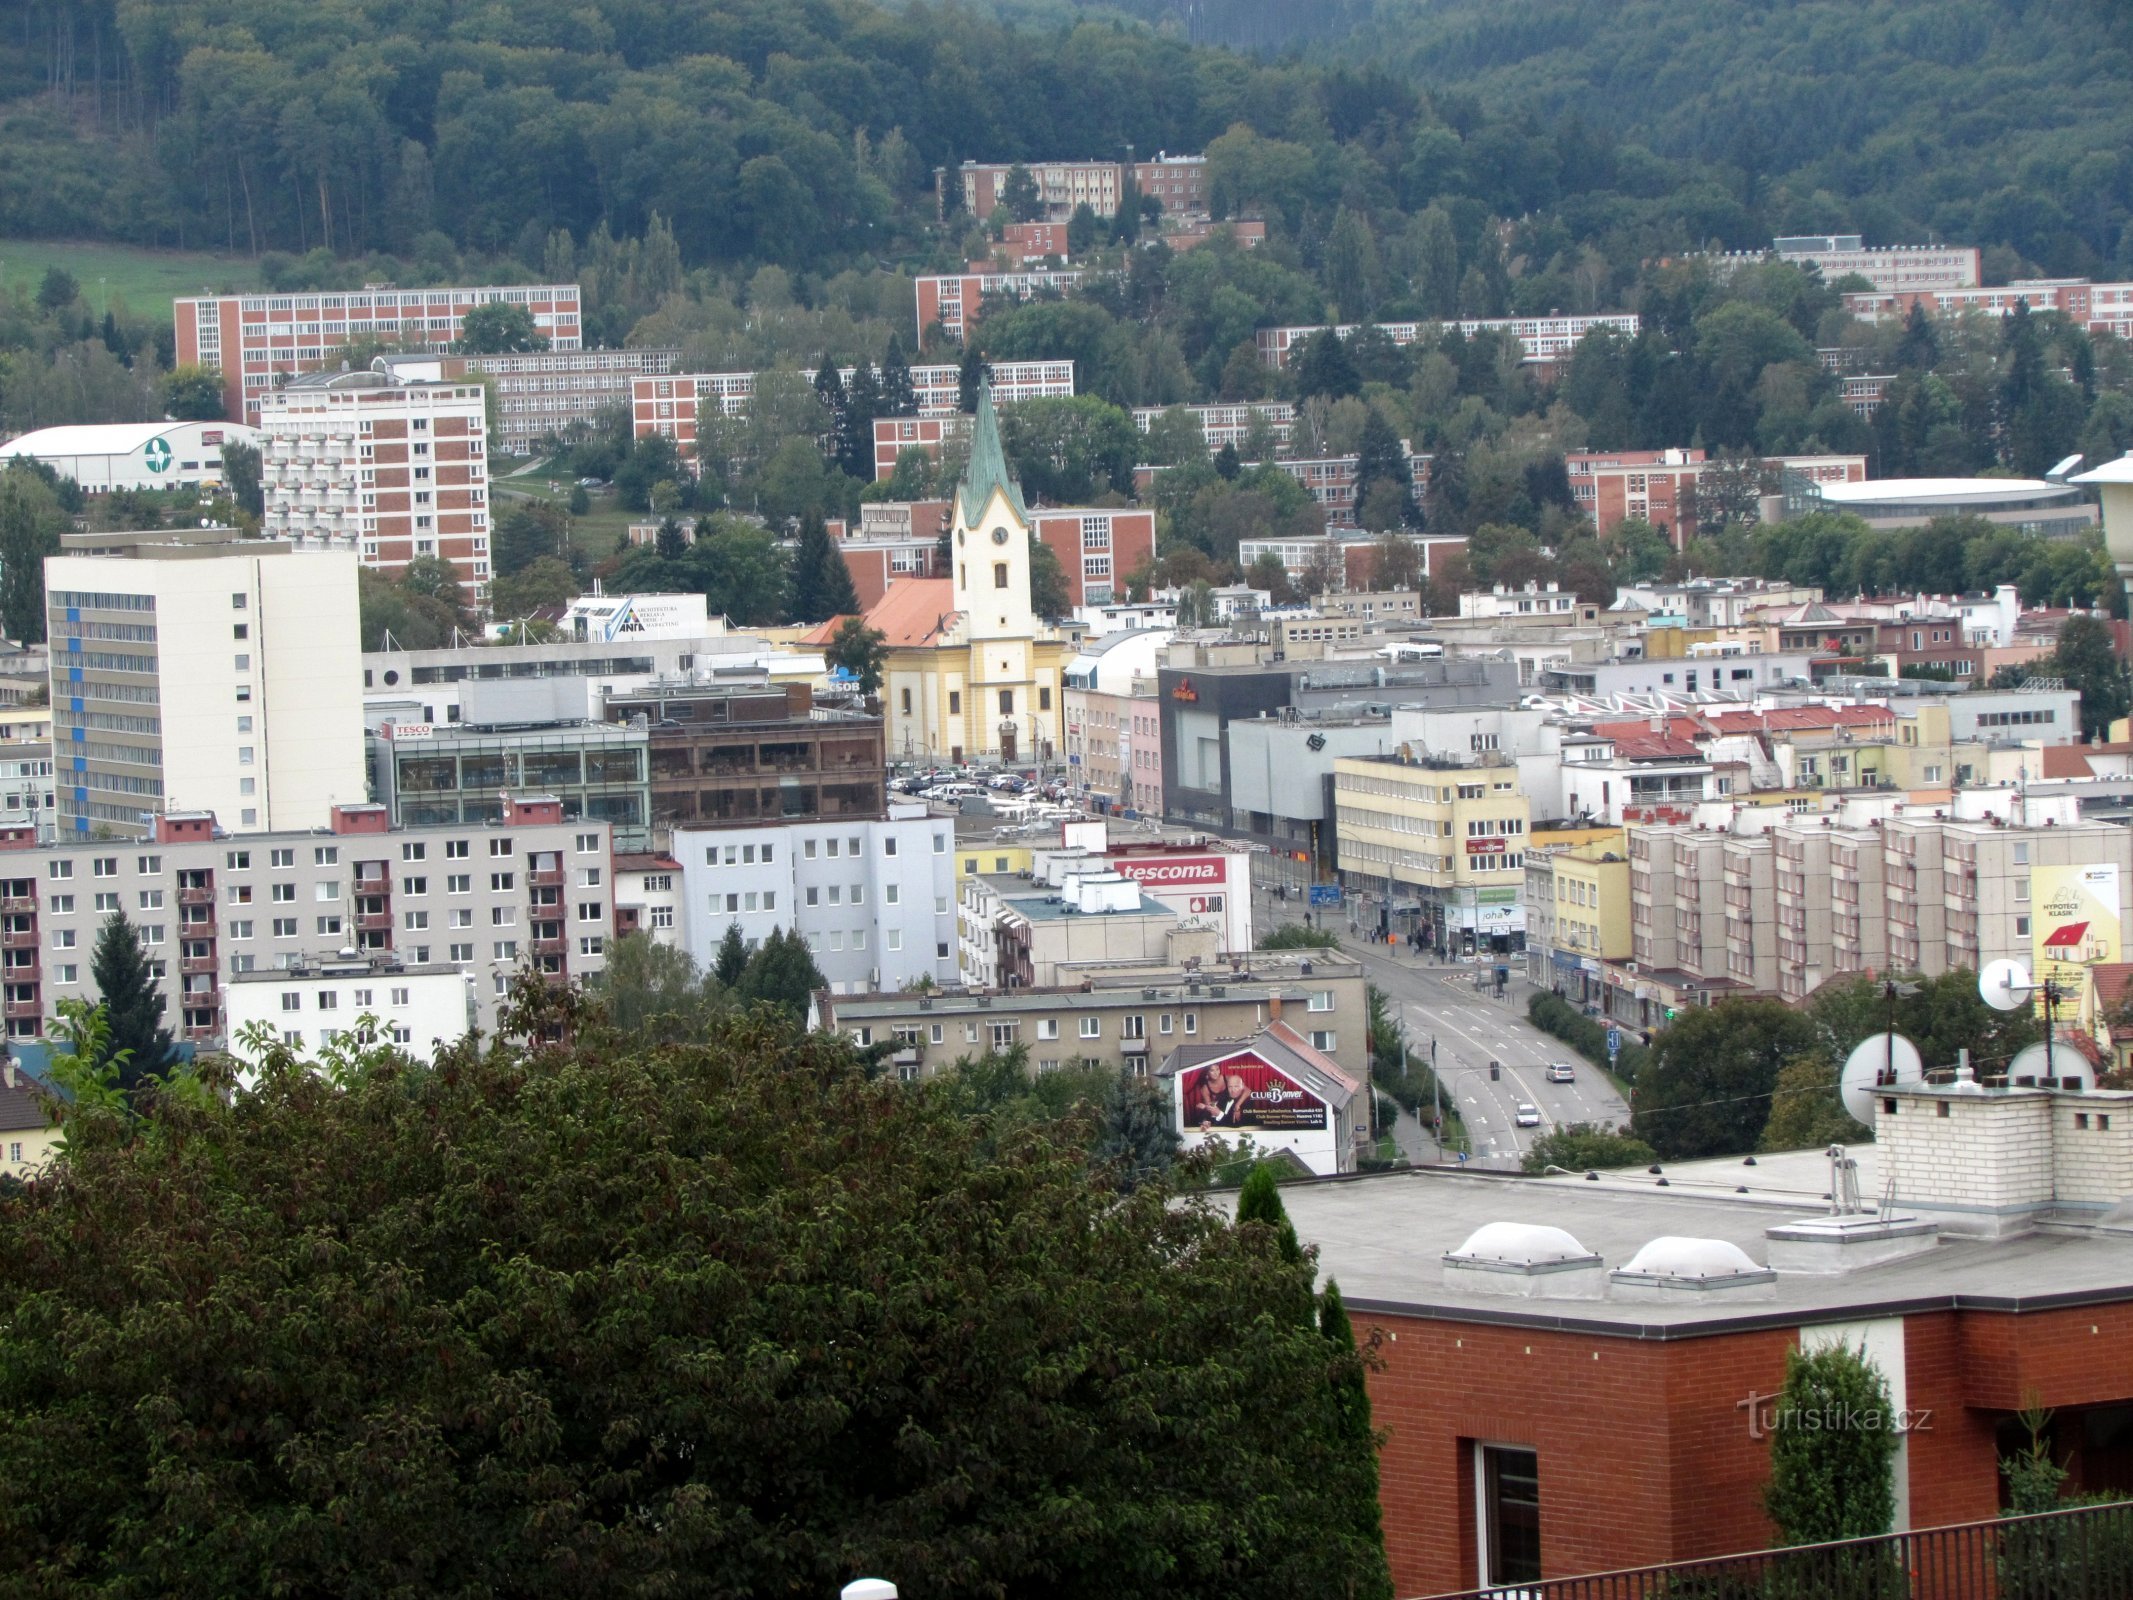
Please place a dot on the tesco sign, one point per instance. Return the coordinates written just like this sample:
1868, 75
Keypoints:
1171, 869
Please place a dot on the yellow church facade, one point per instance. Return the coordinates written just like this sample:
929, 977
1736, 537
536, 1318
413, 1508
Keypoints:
972, 673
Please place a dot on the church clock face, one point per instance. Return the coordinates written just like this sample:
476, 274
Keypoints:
999, 536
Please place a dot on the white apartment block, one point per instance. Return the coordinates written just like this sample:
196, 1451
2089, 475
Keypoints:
670, 402
1542, 339
875, 899
648, 888
387, 470
1229, 424
955, 300
259, 342
1892, 269
544, 392
189, 674
352, 999
210, 906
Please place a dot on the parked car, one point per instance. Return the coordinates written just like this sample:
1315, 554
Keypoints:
1529, 1115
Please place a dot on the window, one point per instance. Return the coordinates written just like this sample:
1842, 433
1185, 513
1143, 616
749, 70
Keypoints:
455, 849
501, 847
414, 886
107, 902
459, 883
62, 904
63, 939
416, 921
587, 844
241, 930
589, 911
999, 574
1508, 1495
506, 950
1134, 1027
1192, 1022
589, 877
326, 855
1162, 1023
326, 891
1044, 698
240, 894
1322, 1039
503, 916
955, 702
591, 945
284, 927
291, 1001
413, 852
1321, 999
105, 866
500, 882
893, 939
461, 952
60, 869
662, 916
1092, 1027
888, 893
1007, 702
463, 917
283, 893
237, 602
940, 844
282, 858
68, 972
329, 925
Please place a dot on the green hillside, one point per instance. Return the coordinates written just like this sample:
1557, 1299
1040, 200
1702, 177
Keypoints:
143, 281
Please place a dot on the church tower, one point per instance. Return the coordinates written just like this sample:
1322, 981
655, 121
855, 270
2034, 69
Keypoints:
991, 537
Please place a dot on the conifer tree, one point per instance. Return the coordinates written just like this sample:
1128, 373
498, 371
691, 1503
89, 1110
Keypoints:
862, 404
731, 962
132, 1003
969, 377
1354, 1439
1260, 1201
821, 583
898, 397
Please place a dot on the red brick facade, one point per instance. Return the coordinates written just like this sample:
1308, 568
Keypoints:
1644, 1448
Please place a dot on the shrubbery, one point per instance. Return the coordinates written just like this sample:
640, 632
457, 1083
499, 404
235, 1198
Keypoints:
1551, 1013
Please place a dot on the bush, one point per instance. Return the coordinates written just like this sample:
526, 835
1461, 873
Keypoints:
1582, 1145
1833, 1449
1551, 1013
1295, 936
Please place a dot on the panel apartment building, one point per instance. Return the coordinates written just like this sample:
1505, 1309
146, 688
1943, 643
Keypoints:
191, 671
208, 906
1544, 340
544, 392
259, 341
388, 470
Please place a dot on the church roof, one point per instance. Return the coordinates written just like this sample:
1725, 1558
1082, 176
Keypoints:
988, 466
916, 611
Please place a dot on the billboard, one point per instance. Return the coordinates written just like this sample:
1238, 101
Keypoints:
1163, 872
2075, 924
1243, 1091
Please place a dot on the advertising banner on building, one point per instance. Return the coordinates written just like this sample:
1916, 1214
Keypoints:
1170, 872
2074, 925
1242, 1091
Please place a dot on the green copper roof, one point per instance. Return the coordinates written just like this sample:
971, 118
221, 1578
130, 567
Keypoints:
988, 465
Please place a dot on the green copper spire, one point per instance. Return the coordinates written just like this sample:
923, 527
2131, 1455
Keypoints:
988, 465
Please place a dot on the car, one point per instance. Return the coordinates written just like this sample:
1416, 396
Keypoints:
1560, 1072
1529, 1115
592, 483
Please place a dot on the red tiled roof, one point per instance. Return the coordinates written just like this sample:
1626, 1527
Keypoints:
914, 612
2112, 979
2066, 761
1655, 747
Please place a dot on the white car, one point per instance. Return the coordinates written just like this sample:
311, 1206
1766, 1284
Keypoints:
1560, 1072
1529, 1115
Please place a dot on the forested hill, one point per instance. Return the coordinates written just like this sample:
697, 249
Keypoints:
2003, 121
805, 132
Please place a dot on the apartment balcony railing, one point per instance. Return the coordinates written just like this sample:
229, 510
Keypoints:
2083, 1554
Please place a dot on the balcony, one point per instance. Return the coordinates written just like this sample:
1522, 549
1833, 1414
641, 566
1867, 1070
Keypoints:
545, 878
193, 966
19, 1010
21, 905
18, 939
374, 921
203, 895
1133, 1047
548, 947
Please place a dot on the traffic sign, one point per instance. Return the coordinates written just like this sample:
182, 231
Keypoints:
1325, 894
1614, 1042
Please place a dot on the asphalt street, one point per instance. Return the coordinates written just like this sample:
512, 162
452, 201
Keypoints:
1472, 1028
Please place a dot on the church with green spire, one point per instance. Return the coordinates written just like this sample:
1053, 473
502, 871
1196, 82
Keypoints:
973, 673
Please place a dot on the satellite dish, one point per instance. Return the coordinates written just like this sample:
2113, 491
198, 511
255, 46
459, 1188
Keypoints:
2004, 985
1866, 1069
2035, 1061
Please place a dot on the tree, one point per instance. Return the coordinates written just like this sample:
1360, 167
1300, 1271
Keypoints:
31, 522
1325, 570
1356, 1439
971, 372
727, 1314
241, 476
192, 394
781, 973
1728, 493
1380, 461
1019, 197
1267, 572
132, 1002
544, 584
1705, 1091
731, 964
57, 290
1832, 1449
821, 582
1322, 366
498, 328
1805, 1110
1259, 1201
1135, 1140
1084, 230
1048, 594
670, 540
2089, 662
898, 396
527, 531
434, 578
859, 650
653, 991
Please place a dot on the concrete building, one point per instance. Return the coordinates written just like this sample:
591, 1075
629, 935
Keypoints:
528, 888
1891, 269
544, 393
2028, 505
1016, 934
193, 671
351, 999
1062, 186
953, 302
742, 754
1113, 721
1348, 558
1097, 547
1577, 915
389, 471
1178, 182
104, 456
1444, 833
873, 896
648, 897
1545, 341
1660, 486
260, 341
1127, 1017
1274, 1092
671, 403
543, 736
1230, 424
2093, 307
426, 684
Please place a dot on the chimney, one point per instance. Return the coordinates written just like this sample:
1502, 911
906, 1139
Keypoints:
8, 1071
1273, 1009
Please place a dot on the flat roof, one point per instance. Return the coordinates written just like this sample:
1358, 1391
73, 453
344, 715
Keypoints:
111, 438
1384, 1237
1955, 491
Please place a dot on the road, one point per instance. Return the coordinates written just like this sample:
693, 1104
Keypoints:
1471, 1029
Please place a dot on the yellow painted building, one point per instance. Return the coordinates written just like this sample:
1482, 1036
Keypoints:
1453, 837
991, 859
1592, 900
973, 674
